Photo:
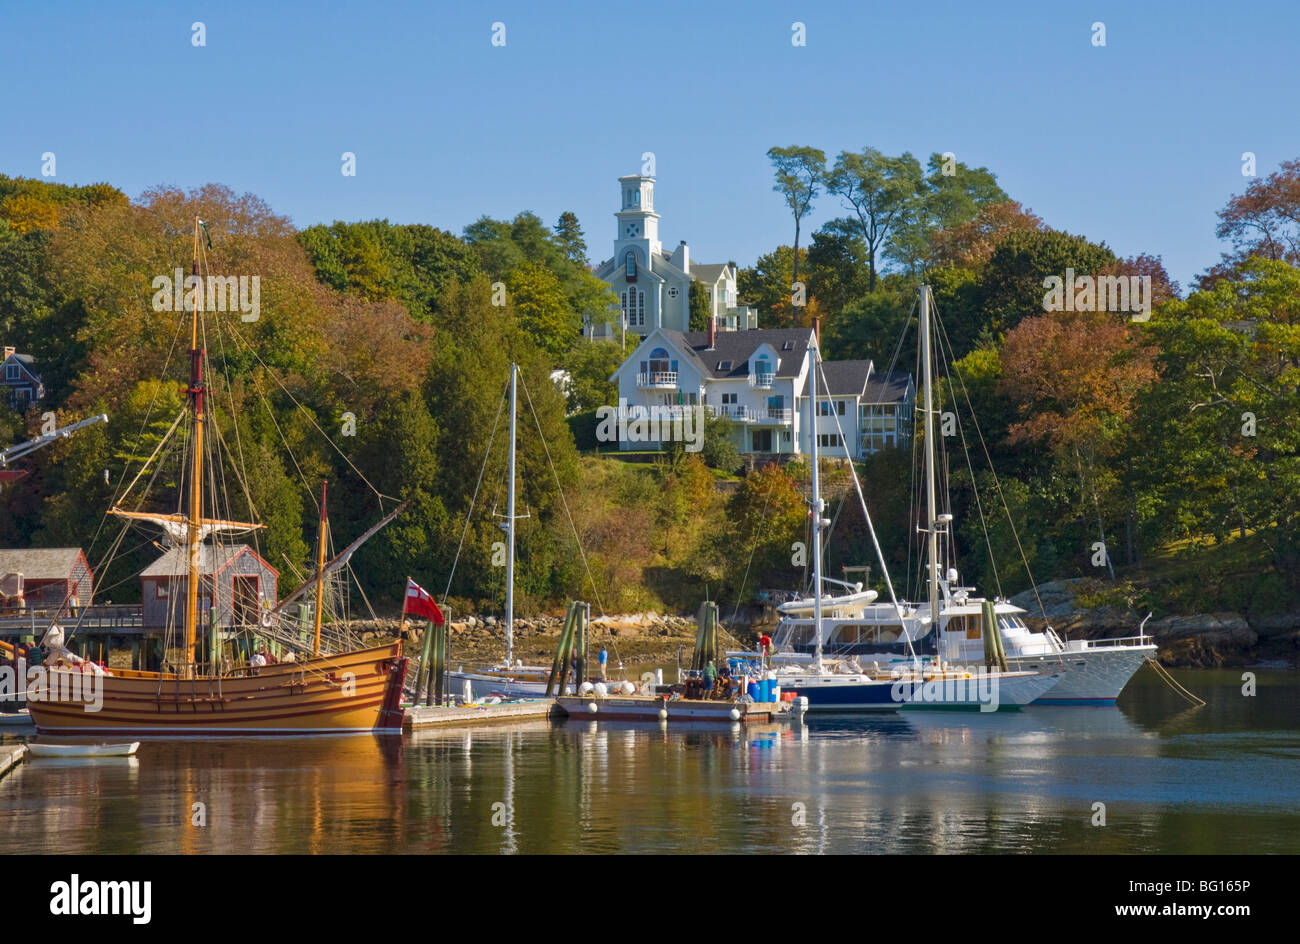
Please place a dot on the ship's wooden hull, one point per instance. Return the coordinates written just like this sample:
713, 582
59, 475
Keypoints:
342, 692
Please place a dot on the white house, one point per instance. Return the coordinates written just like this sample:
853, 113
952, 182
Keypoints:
654, 286
760, 379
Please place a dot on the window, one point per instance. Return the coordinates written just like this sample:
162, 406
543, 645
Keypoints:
724, 365
632, 303
829, 441
672, 292
629, 266
824, 408
761, 440
883, 425
660, 363
161, 591
12, 372
728, 399
787, 346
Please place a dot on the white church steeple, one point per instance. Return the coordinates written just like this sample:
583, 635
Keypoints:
638, 223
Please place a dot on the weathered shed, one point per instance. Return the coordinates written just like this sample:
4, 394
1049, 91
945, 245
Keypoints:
242, 580
48, 578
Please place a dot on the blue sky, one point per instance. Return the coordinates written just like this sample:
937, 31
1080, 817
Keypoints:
1137, 143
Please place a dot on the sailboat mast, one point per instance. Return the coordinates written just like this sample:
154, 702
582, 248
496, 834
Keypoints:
510, 528
931, 510
816, 511
320, 572
194, 509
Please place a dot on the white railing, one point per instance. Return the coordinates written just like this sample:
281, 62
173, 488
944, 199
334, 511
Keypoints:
761, 379
1123, 642
657, 378
780, 414
741, 414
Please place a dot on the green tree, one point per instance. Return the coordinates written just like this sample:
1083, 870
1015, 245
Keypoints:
882, 193
542, 308
800, 173
568, 233
701, 307
1220, 434
590, 366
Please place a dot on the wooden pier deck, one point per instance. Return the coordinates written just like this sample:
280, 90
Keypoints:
428, 716
11, 755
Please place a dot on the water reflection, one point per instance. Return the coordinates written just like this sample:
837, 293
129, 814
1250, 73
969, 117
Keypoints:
1172, 781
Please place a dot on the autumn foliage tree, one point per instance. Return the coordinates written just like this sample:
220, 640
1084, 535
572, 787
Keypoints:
1074, 377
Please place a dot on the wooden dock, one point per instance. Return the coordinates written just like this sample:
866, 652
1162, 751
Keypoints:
11, 755
428, 716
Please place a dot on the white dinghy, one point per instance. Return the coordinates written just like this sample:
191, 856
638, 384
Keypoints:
38, 749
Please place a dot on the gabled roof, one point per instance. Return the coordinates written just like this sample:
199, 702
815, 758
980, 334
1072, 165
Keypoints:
845, 378
709, 273
887, 388
212, 559
736, 348
40, 563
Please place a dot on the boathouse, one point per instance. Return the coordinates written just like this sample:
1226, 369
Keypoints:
233, 579
54, 579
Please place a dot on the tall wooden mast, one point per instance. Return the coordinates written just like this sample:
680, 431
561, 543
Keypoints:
320, 572
194, 508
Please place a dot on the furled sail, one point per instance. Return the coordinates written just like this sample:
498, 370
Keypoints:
176, 527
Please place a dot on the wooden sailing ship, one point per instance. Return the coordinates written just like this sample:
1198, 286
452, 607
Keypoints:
327, 692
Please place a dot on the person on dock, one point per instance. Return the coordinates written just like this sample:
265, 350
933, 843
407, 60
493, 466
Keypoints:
765, 647
710, 678
602, 658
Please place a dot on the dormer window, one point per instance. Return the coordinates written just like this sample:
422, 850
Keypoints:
629, 266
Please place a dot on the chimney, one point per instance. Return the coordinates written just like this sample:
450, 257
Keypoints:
10, 351
713, 331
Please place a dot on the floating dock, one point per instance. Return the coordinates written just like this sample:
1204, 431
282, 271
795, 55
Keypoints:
11, 755
429, 716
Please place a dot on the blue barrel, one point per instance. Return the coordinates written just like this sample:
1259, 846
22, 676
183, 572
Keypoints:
754, 691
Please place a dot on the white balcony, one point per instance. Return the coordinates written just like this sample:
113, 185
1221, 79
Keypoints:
736, 413
657, 380
762, 380
776, 414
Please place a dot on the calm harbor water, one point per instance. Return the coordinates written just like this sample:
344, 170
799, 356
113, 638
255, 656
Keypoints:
1224, 778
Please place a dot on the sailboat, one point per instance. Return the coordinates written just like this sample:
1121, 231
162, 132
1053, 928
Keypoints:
1090, 672
353, 690
905, 678
509, 678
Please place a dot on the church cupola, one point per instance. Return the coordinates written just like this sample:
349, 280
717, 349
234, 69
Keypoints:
638, 223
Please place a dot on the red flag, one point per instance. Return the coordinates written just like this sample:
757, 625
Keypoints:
419, 603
